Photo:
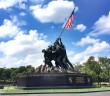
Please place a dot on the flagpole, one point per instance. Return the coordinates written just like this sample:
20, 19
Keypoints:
65, 24
61, 32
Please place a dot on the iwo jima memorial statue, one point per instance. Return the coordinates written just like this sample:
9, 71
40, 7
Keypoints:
62, 75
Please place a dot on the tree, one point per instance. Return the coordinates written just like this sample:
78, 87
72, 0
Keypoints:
14, 73
79, 68
1, 73
92, 68
105, 66
109, 70
30, 69
6, 74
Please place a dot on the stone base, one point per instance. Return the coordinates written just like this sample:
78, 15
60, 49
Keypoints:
54, 80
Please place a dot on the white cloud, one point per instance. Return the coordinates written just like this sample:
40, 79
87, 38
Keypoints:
8, 29
76, 8
23, 50
22, 14
87, 40
22, 5
11, 28
9, 3
70, 53
8, 61
98, 49
16, 21
80, 27
56, 11
102, 26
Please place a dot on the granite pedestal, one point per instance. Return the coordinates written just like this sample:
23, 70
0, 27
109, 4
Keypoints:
54, 80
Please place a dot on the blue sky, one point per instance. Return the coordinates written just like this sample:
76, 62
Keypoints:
28, 26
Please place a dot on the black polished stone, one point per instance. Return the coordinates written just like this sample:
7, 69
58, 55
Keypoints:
54, 80
1, 87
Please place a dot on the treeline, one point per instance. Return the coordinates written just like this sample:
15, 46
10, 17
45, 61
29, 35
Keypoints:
11, 74
99, 70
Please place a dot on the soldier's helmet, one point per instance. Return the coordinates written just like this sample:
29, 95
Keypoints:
43, 50
49, 46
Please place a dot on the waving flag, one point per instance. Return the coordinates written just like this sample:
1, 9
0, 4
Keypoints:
70, 21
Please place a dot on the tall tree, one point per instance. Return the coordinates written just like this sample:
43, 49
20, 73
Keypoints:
105, 66
1, 73
92, 68
6, 74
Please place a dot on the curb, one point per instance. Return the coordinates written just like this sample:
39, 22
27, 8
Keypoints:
53, 92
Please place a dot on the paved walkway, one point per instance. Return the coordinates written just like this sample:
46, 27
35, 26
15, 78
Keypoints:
107, 93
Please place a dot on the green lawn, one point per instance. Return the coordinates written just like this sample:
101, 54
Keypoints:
12, 89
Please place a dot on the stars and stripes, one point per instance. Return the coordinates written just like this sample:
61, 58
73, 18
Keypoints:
70, 21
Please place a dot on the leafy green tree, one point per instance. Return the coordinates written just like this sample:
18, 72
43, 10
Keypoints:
6, 74
79, 68
105, 66
92, 68
14, 73
30, 69
1, 73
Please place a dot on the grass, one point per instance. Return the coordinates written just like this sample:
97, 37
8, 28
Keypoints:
11, 89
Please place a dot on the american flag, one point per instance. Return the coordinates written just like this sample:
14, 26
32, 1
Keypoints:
70, 21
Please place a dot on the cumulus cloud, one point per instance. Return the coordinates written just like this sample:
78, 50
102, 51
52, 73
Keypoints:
55, 11
16, 21
102, 26
95, 50
70, 53
11, 28
87, 40
80, 27
21, 5
24, 49
8, 29
22, 14
4, 4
